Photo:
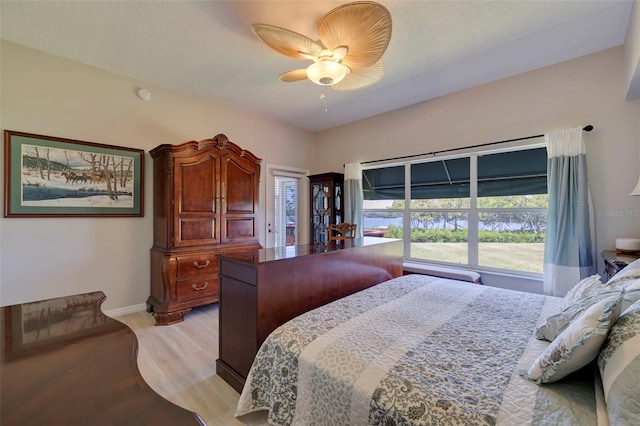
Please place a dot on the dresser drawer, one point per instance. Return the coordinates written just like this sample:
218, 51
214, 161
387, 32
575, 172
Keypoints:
198, 287
197, 265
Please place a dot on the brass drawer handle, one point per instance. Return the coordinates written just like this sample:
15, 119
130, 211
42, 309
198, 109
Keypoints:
195, 287
197, 265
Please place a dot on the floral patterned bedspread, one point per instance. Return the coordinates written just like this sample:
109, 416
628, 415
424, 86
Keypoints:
414, 350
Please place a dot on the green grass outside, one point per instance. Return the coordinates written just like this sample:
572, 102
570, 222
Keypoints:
516, 256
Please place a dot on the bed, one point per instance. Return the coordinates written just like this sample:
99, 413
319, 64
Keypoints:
419, 350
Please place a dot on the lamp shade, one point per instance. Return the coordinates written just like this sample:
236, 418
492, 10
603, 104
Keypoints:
326, 72
636, 190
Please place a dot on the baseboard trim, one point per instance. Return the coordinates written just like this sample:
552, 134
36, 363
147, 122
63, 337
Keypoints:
126, 310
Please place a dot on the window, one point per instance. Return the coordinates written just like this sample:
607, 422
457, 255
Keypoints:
485, 210
512, 209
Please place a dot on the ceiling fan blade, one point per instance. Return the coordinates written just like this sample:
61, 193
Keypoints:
287, 42
364, 27
295, 75
360, 77
340, 52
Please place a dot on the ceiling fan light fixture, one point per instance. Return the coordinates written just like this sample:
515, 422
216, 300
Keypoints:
326, 72
348, 52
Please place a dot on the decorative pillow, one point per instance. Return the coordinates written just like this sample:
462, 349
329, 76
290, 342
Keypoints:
627, 285
556, 324
578, 344
631, 296
587, 287
630, 272
619, 363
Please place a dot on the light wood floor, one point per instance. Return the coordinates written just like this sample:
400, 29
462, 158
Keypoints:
179, 362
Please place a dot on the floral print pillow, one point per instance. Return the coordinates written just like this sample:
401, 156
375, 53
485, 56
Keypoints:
578, 344
619, 364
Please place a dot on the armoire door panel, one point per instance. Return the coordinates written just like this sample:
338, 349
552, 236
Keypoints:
197, 230
241, 189
198, 190
240, 228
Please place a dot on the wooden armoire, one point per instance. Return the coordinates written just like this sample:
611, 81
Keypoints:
205, 203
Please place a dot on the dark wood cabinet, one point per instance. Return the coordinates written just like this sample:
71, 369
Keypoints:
262, 291
326, 192
615, 261
205, 203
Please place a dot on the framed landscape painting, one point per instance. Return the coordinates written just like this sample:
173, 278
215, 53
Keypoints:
47, 176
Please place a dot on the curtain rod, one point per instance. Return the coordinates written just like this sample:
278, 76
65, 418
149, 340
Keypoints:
586, 128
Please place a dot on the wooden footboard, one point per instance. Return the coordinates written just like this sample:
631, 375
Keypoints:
259, 294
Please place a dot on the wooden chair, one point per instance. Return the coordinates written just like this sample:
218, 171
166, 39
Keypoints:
342, 231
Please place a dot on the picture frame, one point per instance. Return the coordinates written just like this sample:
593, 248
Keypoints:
46, 176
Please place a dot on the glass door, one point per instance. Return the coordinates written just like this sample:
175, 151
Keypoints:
284, 211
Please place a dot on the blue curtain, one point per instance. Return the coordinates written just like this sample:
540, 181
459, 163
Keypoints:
568, 255
353, 196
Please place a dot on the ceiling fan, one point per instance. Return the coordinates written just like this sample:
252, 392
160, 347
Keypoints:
353, 38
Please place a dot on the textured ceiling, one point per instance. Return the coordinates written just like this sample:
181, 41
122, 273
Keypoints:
207, 49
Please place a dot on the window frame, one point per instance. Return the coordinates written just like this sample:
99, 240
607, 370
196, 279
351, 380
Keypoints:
473, 211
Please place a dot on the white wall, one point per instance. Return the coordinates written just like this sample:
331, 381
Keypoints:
44, 94
632, 53
586, 90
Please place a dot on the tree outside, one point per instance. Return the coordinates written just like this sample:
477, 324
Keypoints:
511, 230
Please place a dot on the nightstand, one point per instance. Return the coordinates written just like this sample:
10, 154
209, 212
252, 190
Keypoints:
614, 261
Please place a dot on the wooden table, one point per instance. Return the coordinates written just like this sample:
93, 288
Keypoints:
614, 261
261, 292
63, 362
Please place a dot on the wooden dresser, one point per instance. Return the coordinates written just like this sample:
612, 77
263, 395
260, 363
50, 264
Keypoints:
615, 261
205, 203
262, 292
66, 363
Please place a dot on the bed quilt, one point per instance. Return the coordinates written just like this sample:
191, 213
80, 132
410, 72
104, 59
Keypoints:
414, 350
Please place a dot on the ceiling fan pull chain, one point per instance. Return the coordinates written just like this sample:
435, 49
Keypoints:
323, 96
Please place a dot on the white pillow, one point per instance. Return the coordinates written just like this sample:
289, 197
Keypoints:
578, 344
619, 363
631, 296
587, 287
629, 272
557, 323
